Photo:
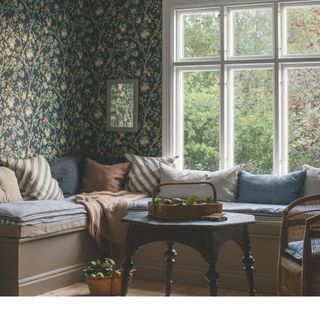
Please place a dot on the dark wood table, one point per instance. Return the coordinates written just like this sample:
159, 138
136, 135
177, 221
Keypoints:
204, 236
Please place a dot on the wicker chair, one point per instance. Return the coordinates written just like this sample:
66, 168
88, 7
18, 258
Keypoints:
299, 253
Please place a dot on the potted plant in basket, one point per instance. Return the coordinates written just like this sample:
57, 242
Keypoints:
103, 278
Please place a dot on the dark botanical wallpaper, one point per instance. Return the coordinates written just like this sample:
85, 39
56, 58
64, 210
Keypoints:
55, 59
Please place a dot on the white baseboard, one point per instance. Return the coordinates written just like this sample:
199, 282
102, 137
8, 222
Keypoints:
43, 282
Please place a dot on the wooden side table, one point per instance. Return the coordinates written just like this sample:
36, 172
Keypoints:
204, 236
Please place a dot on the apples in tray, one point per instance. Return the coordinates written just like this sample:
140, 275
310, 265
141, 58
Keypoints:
180, 209
192, 200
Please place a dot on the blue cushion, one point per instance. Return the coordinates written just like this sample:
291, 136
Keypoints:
66, 171
295, 248
269, 188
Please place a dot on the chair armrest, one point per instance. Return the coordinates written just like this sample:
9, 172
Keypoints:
302, 200
309, 234
313, 219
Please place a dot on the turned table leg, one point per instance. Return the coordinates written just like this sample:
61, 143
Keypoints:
248, 261
213, 279
127, 265
170, 255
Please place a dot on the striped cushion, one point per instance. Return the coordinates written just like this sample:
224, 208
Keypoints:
144, 174
34, 178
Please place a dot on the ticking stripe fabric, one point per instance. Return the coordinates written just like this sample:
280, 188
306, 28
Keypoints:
34, 178
144, 174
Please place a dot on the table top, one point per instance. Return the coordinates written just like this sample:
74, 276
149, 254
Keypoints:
142, 218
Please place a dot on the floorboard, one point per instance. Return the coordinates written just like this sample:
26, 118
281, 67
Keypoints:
148, 288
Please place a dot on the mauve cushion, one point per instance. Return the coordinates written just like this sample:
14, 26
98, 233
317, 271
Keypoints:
100, 158
101, 177
66, 171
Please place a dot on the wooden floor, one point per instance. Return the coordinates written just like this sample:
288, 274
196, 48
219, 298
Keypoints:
147, 288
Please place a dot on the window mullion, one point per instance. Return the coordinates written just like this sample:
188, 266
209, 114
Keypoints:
222, 135
282, 94
229, 127
179, 119
284, 121
277, 105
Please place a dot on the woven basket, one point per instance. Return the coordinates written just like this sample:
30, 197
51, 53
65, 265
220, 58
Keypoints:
178, 212
104, 286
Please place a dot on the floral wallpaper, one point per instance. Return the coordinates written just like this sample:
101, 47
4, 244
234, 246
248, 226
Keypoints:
55, 59
127, 37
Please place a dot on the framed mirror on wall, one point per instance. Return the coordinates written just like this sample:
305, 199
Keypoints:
122, 105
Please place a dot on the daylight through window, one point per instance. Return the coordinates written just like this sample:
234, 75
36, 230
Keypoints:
244, 82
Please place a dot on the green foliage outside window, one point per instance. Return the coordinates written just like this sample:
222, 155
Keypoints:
201, 120
253, 95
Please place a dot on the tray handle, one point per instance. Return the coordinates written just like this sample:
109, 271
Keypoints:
157, 187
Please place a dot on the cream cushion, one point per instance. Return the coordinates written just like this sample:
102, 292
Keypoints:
225, 182
9, 188
312, 182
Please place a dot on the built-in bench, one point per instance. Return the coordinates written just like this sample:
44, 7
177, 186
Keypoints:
40, 254
42, 249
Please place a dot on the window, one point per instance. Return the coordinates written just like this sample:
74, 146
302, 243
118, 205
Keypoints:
302, 95
252, 96
301, 29
242, 84
250, 31
201, 101
199, 34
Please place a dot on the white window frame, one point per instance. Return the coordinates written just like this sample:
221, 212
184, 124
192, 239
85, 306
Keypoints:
172, 142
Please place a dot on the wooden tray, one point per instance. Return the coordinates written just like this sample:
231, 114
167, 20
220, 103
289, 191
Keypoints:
179, 212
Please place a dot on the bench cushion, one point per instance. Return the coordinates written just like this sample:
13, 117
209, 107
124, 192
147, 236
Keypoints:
43, 227
40, 217
28, 211
262, 212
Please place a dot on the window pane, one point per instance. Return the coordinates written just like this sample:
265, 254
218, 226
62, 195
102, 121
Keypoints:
201, 35
304, 117
253, 104
251, 32
201, 120
303, 29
